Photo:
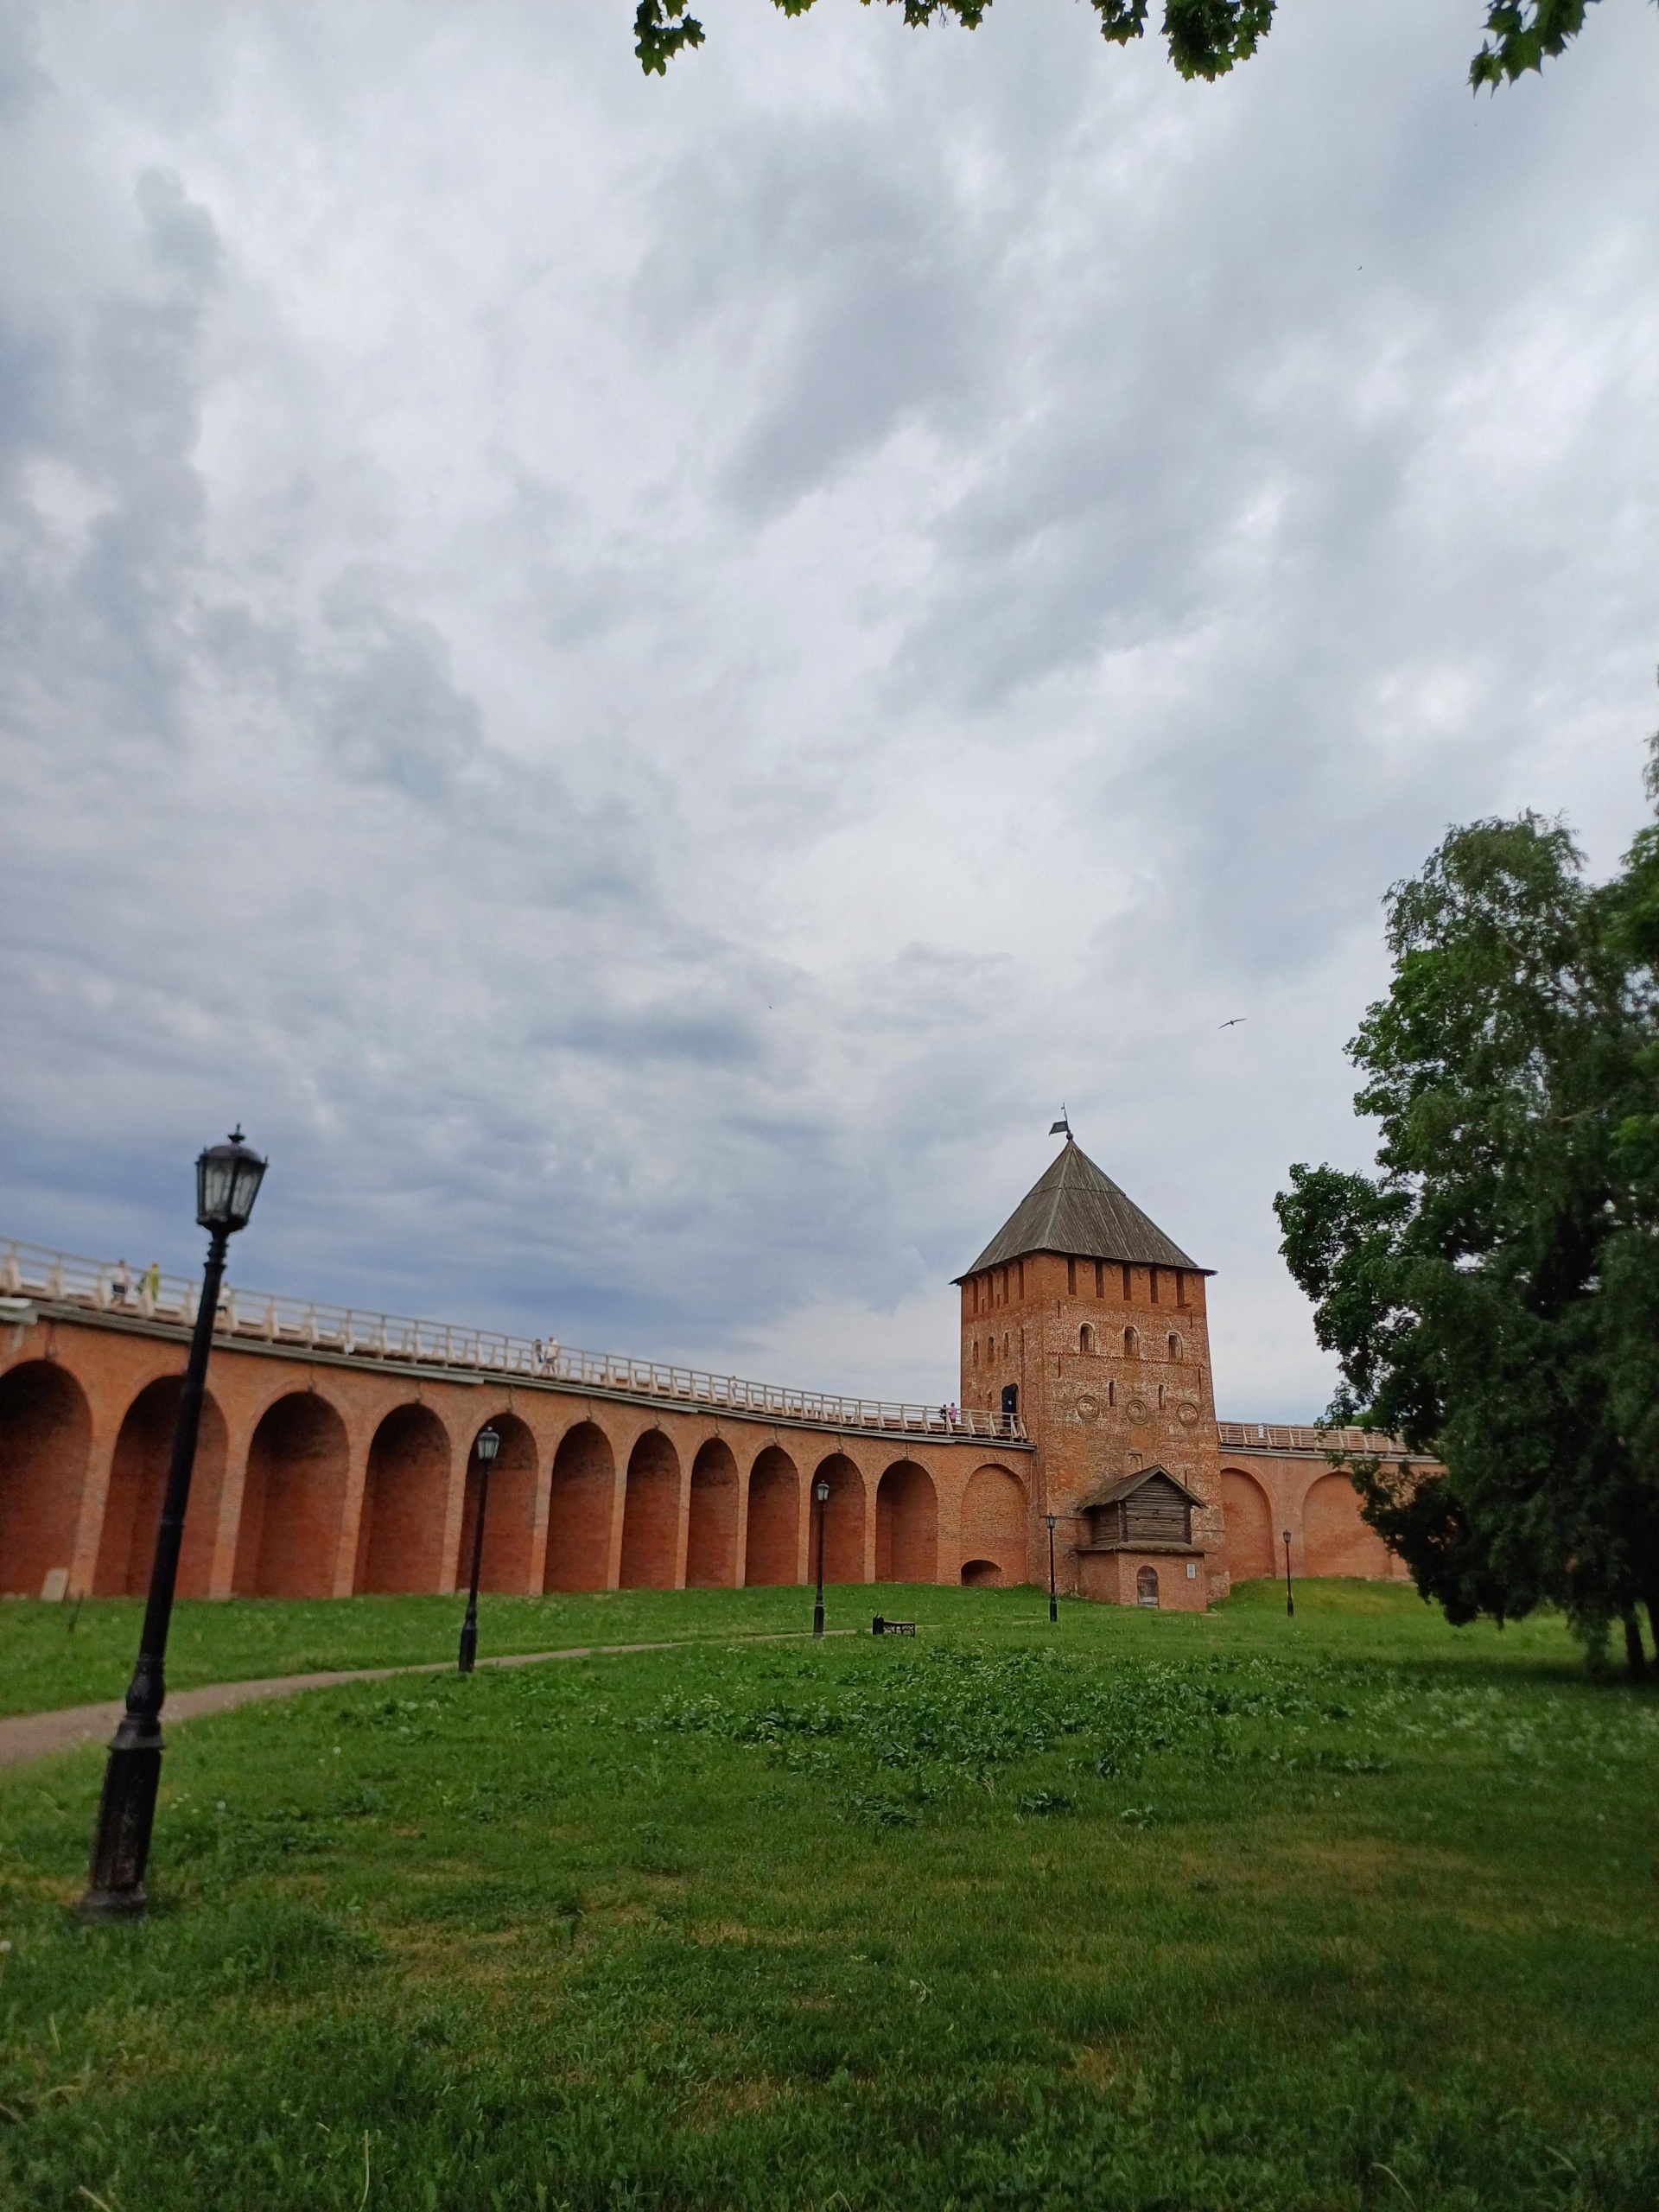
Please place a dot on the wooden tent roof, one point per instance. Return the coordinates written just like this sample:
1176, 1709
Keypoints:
1075, 1207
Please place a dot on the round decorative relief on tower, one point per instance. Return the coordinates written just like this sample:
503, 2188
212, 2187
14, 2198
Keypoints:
1186, 1413
1138, 1409
1088, 1407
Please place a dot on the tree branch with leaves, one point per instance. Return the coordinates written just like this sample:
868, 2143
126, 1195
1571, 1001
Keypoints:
1205, 38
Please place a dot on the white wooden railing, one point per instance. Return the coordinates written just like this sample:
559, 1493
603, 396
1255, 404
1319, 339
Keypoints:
1275, 1436
348, 1332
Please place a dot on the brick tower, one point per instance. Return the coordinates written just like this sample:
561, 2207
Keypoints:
1082, 1316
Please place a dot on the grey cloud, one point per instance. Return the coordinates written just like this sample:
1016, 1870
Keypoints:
869, 310
644, 679
182, 235
111, 398
23, 83
661, 1033
390, 711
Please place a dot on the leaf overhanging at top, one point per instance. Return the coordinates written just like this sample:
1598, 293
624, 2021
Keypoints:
1521, 34
1204, 37
661, 28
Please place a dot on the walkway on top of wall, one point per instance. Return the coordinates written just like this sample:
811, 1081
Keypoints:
1294, 1442
33, 1278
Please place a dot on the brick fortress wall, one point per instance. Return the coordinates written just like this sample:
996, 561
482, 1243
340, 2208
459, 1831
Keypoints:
325, 1476
324, 1473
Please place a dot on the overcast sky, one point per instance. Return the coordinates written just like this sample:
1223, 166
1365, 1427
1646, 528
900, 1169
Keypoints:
644, 675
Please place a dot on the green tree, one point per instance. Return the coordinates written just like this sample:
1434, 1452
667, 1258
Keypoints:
1492, 1294
1204, 37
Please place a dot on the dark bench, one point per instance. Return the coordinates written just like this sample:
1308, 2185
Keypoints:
881, 1627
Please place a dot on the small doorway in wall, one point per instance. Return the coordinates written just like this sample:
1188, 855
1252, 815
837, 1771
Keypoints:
1011, 1400
1146, 1586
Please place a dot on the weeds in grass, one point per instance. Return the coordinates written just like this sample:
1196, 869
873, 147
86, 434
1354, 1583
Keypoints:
949, 1720
1125, 1918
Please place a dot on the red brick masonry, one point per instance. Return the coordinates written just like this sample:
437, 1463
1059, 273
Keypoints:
322, 1475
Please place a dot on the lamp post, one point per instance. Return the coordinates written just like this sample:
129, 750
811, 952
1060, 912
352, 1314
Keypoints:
1054, 1609
821, 1494
227, 1183
485, 1445
1290, 1602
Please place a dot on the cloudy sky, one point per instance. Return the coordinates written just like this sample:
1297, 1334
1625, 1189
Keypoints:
644, 675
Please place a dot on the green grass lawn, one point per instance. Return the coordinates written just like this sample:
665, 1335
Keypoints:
59, 1655
63, 1654
1138, 1910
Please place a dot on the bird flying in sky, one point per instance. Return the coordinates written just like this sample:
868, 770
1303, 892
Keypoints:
1234, 1023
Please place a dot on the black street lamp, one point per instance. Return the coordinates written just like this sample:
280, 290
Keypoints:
821, 1492
485, 1445
1054, 1609
1290, 1602
227, 1183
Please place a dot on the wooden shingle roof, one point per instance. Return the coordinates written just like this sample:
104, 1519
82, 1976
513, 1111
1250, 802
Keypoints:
1075, 1207
1126, 1486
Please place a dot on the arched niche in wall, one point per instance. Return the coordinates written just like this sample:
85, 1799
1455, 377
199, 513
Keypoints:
844, 1515
711, 1529
293, 1499
510, 1516
1251, 1540
994, 1521
650, 1514
772, 1555
580, 1499
1335, 1541
46, 1434
405, 1497
132, 1509
907, 1525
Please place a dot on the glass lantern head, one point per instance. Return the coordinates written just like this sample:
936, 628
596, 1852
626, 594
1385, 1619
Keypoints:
486, 1444
228, 1177
1051, 1518
821, 1491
